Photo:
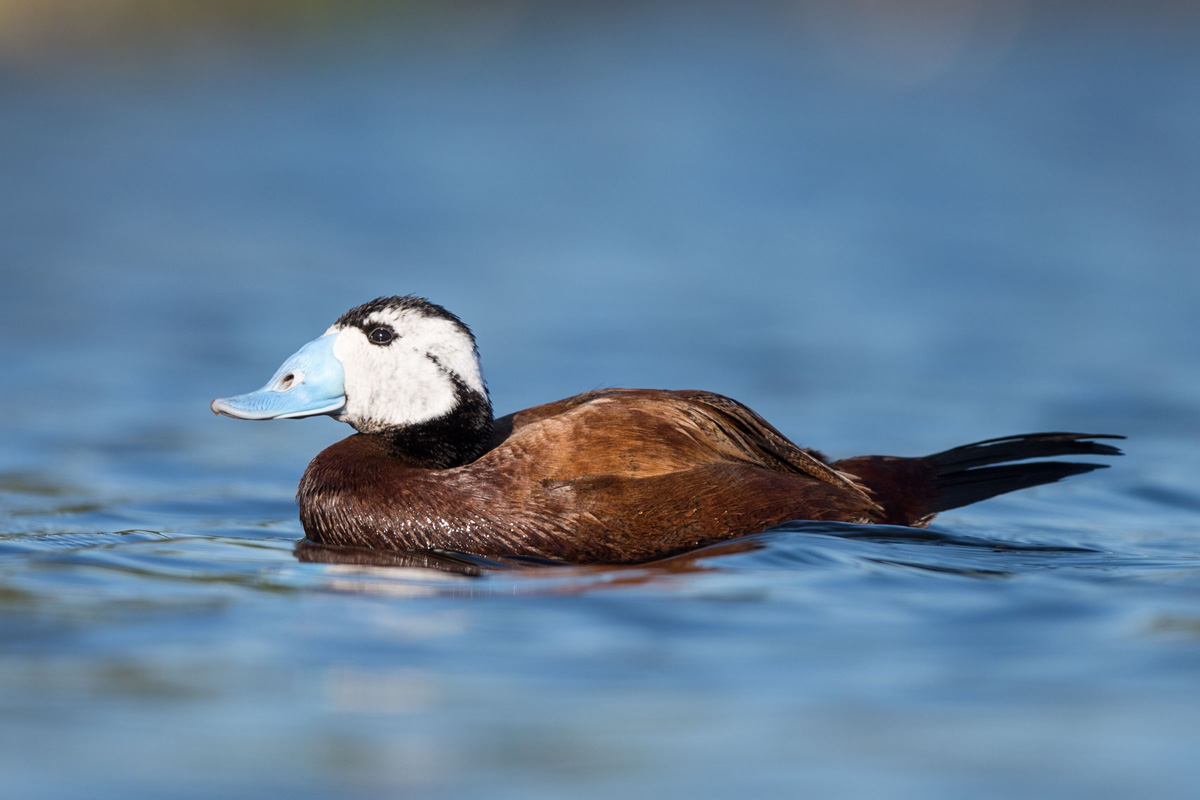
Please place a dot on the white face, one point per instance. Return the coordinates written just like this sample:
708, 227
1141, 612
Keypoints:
409, 379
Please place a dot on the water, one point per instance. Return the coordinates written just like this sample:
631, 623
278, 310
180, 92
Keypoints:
878, 251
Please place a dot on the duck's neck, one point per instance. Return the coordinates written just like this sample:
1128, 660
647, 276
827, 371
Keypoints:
451, 440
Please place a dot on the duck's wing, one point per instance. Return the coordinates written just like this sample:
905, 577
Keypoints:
653, 431
758, 438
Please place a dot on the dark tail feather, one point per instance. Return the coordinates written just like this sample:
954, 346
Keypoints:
963, 476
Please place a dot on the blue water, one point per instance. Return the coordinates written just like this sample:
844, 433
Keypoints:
879, 250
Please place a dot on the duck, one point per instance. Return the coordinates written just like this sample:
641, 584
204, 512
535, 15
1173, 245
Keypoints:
610, 476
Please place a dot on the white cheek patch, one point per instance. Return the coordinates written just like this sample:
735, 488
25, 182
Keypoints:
453, 350
409, 380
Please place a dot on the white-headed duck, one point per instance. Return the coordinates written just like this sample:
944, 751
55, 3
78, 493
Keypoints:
609, 476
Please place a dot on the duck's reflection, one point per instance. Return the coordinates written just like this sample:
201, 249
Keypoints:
363, 557
476, 566
923, 549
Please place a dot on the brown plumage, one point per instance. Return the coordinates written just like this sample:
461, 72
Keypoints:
621, 476
611, 476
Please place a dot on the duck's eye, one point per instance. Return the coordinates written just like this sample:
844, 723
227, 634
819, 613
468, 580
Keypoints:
381, 335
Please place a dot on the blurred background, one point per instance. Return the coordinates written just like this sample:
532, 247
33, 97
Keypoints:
887, 226
949, 214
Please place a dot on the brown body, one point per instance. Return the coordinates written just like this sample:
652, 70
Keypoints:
614, 476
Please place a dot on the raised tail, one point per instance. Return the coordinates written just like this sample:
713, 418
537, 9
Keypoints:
912, 490
964, 476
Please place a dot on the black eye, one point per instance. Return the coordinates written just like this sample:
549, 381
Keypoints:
381, 335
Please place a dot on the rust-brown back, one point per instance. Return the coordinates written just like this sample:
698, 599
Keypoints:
615, 475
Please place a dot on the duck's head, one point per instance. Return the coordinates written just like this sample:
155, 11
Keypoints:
401, 366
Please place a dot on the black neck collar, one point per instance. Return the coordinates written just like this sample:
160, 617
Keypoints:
451, 440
